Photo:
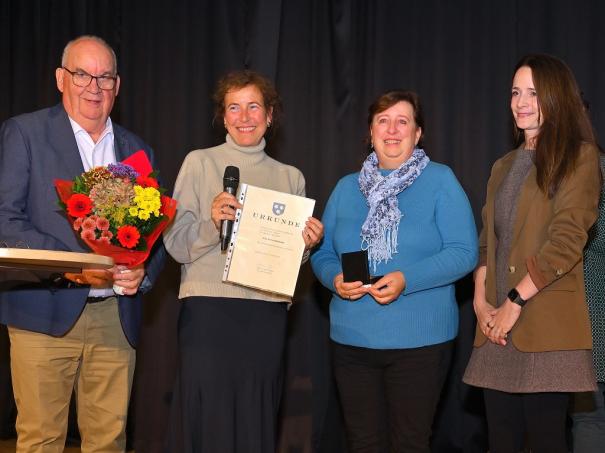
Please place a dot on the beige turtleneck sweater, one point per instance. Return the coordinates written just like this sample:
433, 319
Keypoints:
193, 240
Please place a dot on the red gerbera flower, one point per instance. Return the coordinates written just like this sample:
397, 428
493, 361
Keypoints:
79, 205
128, 236
147, 181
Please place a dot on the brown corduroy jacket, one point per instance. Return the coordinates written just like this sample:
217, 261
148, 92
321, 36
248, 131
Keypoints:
548, 238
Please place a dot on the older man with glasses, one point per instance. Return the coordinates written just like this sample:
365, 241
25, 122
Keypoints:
65, 335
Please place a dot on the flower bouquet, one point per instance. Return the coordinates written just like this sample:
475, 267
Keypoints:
119, 210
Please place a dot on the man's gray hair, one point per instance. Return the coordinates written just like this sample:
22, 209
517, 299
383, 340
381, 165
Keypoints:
90, 38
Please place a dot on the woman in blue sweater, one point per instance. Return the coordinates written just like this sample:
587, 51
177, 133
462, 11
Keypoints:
392, 341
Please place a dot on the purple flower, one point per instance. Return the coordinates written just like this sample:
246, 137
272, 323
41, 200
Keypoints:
120, 170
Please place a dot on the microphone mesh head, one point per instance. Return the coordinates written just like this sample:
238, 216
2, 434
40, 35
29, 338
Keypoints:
231, 177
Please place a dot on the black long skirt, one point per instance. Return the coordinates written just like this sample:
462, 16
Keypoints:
230, 376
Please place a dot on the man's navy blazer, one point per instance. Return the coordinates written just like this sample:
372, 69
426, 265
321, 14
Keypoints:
35, 149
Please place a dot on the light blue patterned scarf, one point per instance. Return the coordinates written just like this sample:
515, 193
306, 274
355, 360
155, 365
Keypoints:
379, 231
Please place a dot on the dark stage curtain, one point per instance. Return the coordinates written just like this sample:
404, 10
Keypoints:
329, 59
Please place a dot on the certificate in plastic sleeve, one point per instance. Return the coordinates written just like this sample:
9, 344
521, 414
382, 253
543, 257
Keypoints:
267, 246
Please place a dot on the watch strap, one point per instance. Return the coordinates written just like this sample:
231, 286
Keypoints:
516, 298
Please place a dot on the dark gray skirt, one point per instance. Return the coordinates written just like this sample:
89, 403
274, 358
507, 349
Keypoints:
507, 369
229, 382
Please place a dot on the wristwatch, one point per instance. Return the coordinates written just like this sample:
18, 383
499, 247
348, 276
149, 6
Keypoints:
516, 298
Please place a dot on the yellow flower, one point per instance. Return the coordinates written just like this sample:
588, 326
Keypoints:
143, 214
147, 199
133, 211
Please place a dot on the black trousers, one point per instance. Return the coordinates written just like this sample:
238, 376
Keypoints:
389, 396
538, 417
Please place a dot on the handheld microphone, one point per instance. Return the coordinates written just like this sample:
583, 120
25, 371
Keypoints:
230, 183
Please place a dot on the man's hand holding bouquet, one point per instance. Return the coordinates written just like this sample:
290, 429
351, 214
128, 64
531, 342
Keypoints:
118, 211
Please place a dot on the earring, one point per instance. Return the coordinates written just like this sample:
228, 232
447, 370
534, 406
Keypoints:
268, 123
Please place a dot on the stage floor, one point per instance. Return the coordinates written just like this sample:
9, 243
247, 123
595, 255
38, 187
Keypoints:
8, 446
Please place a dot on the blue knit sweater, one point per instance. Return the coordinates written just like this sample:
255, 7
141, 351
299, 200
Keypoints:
437, 245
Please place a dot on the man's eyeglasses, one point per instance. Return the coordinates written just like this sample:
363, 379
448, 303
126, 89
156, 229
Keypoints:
83, 79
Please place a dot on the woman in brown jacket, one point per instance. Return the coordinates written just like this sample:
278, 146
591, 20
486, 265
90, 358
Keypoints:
533, 339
